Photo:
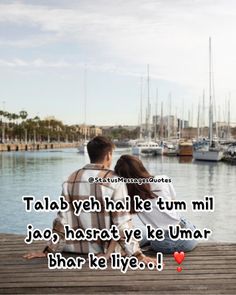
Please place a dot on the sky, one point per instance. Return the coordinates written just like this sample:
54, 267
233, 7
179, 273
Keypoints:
47, 46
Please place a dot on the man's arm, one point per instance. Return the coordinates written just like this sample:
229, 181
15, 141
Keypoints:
58, 228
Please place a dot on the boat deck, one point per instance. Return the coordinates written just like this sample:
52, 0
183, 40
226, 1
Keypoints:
209, 269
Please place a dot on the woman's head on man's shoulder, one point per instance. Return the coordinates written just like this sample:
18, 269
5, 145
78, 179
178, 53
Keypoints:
129, 166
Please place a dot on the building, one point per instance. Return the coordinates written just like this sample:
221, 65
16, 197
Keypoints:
51, 118
156, 120
89, 131
95, 131
166, 128
223, 129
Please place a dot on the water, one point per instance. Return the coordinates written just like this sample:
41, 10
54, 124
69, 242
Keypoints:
40, 173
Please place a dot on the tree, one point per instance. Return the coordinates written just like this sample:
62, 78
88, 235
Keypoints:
23, 116
2, 126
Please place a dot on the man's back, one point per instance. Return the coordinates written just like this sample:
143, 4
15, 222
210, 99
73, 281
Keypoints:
80, 187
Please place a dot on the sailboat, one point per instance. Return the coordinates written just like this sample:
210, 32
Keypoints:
82, 149
170, 149
147, 146
185, 149
212, 151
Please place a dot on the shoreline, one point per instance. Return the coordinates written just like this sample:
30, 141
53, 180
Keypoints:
14, 147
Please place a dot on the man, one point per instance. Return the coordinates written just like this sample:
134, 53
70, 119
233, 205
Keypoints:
79, 187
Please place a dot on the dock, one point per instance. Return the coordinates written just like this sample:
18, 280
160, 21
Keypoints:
14, 147
209, 269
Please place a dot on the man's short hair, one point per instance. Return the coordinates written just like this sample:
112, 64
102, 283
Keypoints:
98, 147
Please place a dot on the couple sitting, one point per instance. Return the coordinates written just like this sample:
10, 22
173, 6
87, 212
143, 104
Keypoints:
77, 187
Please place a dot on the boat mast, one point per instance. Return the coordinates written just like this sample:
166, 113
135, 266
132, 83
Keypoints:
162, 120
228, 129
213, 107
168, 118
148, 107
203, 113
141, 108
176, 123
155, 121
198, 121
192, 117
210, 97
182, 121
85, 102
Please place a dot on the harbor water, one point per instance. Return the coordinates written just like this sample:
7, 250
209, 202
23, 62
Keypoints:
41, 173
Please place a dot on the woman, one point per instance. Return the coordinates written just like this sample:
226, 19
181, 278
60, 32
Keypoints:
131, 167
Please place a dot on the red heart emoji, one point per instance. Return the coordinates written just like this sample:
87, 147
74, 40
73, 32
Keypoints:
179, 269
179, 257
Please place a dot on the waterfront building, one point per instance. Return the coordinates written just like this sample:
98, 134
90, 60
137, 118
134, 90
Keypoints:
88, 131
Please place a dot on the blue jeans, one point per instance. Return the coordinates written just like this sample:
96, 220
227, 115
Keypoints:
168, 246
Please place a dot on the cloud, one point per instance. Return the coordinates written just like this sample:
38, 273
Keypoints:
167, 34
123, 36
37, 63
43, 64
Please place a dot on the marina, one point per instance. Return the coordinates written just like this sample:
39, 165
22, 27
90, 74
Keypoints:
191, 179
175, 149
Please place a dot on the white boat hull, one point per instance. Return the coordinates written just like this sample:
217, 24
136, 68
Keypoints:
170, 152
202, 155
147, 151
159, 151
82, 149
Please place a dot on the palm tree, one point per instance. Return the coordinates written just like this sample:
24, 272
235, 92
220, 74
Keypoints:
14, 117
9, 125
36, 125
3, 126
23, 116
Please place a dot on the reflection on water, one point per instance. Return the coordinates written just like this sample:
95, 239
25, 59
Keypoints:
185, 159
40, 173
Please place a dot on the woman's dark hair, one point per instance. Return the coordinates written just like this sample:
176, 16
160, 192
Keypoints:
132, 167
98, 147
